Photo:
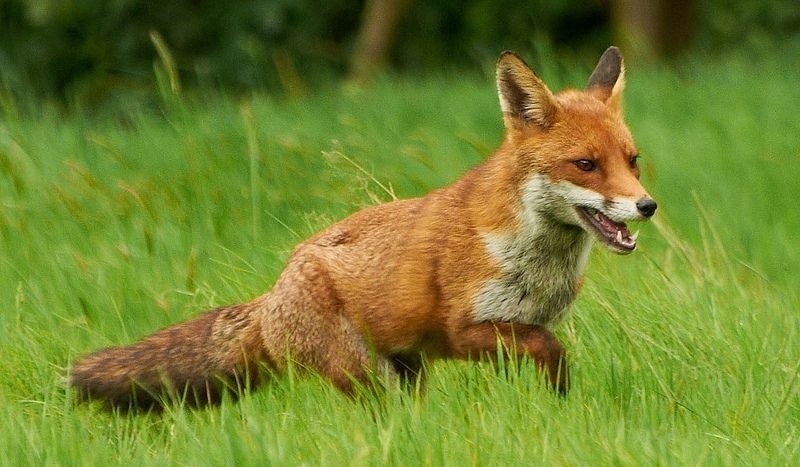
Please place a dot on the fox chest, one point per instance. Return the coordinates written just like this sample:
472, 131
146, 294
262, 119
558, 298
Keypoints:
537, 279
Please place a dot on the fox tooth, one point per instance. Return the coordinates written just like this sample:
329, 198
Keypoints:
619, 236
635, 235
597, 215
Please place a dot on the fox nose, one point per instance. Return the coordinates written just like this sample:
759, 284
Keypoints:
646, 206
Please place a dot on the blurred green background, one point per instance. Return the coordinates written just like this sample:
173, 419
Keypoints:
157, 159
89, 53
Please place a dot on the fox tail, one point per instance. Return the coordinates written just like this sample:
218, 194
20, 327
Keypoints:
196, 362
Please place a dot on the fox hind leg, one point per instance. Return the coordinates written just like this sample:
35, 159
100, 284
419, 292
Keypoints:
304, 322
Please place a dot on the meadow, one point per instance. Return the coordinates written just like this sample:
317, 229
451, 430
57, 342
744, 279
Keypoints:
686, 352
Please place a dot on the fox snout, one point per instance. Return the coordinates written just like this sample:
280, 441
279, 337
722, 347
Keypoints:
646, 206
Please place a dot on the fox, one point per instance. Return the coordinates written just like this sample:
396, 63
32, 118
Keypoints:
485, 266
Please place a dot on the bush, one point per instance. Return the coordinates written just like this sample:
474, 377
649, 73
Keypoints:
87, 52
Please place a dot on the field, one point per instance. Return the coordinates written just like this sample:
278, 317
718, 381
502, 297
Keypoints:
684, 353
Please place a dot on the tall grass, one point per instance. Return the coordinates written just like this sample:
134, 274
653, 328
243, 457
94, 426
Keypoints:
685, 352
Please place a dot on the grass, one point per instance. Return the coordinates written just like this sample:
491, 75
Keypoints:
685, 353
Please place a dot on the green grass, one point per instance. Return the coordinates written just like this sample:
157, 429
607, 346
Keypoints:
684, 353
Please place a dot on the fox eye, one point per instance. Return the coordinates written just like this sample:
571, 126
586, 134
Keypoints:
634, 161
587, 165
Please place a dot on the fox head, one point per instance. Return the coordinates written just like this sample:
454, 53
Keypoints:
577, 156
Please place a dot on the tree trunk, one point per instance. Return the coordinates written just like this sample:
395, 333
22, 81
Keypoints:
375, 37
650, 29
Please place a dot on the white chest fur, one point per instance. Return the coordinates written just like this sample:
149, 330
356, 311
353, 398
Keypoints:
540, 267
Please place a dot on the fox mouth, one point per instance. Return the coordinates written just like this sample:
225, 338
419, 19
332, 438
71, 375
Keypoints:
614, 235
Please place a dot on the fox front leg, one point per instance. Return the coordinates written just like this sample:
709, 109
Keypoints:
535, 341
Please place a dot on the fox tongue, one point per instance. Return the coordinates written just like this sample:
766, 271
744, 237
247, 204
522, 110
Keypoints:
614, 234
612, 228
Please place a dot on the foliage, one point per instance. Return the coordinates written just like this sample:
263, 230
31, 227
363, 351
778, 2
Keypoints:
752, 23
452, 32
90, 52
87, 49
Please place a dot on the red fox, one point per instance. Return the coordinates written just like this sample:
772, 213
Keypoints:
486, 264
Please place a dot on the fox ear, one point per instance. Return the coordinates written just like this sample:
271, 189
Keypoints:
524, 98
608, 79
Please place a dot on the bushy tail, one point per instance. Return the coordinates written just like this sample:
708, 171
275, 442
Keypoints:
195, 361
